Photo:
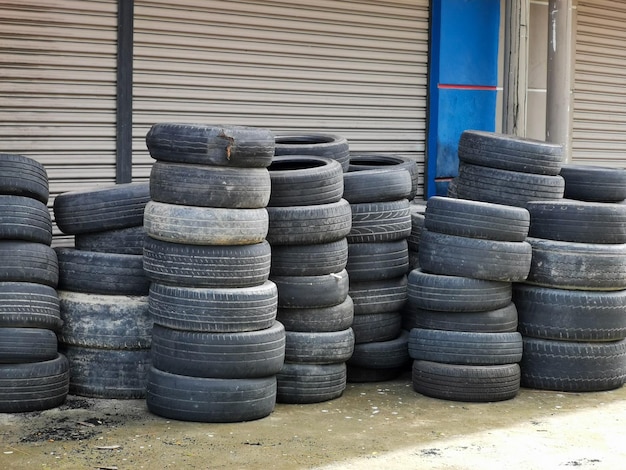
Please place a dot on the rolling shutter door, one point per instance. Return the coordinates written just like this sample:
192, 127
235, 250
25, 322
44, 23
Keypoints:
354, 68
599, 128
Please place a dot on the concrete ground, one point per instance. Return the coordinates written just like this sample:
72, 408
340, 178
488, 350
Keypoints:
381, 425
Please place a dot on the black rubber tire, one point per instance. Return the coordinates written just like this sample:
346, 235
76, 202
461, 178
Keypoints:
322, 145
28, 262
594, 183
206, 266
390, 354
376, 185
330, 347
367, 162
312, 291
377, 222
475, 219
34, 386
125, 241
309, 260
451, 190
455, 293
102, 208
237, 146
311, 383
466, 383
570, 315
505, 187
19, 345
573, 366
510, 152
418, 220
472, 257
303, 180
322, 319
209, 400
578, 221
105, 321
577, 266
101, 273
377, 261
388, 295
210, 186
205, 309
107, 373
309, 225
23, 176
376, 327
241, 355
29, 305
499, 320
466, 348
368, 375
24, 218
192, 225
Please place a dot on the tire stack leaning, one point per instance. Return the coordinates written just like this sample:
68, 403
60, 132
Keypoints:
463, 338
33, 374
216, 344
309, 221
378, 262
572, 308
103, 290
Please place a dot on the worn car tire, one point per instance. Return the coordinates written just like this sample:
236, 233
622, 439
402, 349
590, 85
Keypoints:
360, 162
29, 305
310, 383
28, 262
499, 320
377, 222
377, 261
594, 183
125, 241
312, 291
389, 354
309, 260
376, 185
23, 176
328, 347
320, 319
323, 145
20, 345
388, 295
24, 218
376, 327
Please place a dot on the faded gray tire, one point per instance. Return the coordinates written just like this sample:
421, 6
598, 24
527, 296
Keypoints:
322, 145
302, 180
475, 219
328, 347
472, 257
321, 319
236, 146
376, 185
469, 383
578, 221
510, 152
28, 262
570, 315
125, 241
456, 293
193, 225
19, 345
240, 355
23, 176
206, 266
214, 186
105, 321
312, 291
578, 266
309, 225
572, 366
463, 347
309, 260
389, 354
102, 208
388, 295
594, 183
418, 221
207, 309
33, 386
376, 222
377, 261
500, 320
375, 327
209, 400
107, 373
29, 305
25, 218
367, 162
101, 273
311, 383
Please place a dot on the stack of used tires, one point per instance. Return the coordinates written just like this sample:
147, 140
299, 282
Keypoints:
33, 375
103, 290
509, 170
378, 261
463, 338
572, 308
330, 146
308, 224
216, 345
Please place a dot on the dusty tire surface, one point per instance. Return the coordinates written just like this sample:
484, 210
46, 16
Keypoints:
23, 176
22, 345
499, 320
318, 319
312, 291
125, 241
310, 383
29, 305
377, 261
28, 262
330, 347
309, 260
24, 218
594, 183
388, 295
322, 145
360, 162
376, 222
377, 185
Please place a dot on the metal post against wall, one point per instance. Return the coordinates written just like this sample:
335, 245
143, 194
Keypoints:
559, 79
124, 127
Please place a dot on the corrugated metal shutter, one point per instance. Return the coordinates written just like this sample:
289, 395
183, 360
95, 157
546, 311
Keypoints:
599, 128
355, 68
57, 88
